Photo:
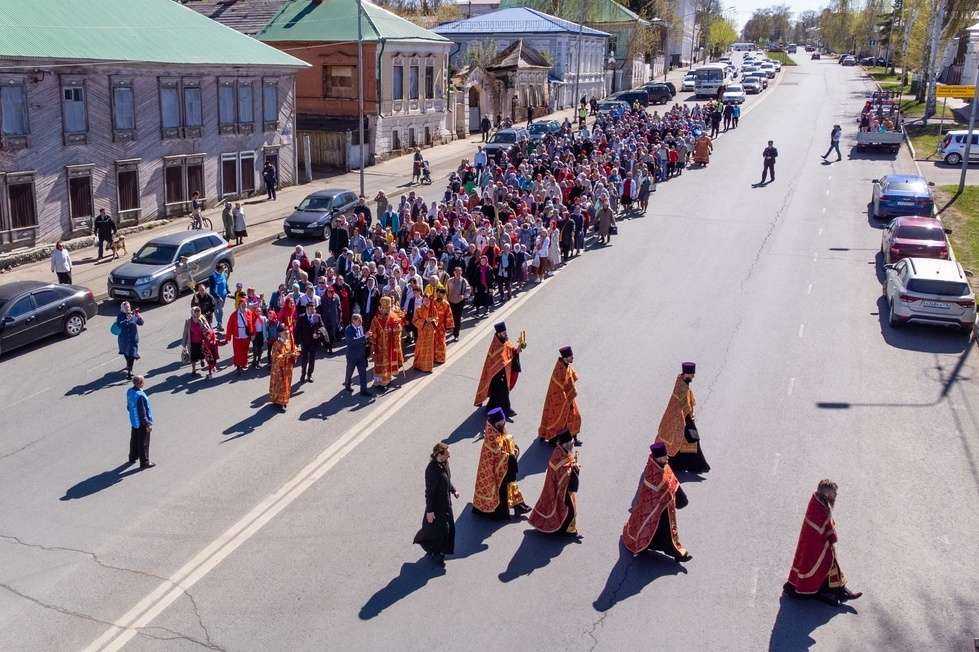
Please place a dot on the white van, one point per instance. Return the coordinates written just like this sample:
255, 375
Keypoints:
953, 147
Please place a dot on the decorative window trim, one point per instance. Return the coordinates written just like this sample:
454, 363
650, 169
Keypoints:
69, 82
227, 127
129, 215
174, 83
267, 123
81, 171
24, 233
121, 135
14, 142
245, 127
191, 131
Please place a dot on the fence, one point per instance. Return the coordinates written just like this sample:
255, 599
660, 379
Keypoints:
326, 148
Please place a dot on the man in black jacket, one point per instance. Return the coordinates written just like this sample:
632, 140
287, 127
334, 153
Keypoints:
105, 228
270, 178
770, 154
203, 300
308, 338
356, 352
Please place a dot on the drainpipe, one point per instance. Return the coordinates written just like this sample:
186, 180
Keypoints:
379, 99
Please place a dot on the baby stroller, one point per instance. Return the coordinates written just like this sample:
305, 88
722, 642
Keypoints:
426, 174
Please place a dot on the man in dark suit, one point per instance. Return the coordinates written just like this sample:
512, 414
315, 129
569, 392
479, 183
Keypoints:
356, 351
271, 178
308, 327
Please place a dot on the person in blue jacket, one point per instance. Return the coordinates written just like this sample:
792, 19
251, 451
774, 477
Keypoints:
127, 326
141, 421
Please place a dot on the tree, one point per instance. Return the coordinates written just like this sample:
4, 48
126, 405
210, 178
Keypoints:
806, 27
720, 34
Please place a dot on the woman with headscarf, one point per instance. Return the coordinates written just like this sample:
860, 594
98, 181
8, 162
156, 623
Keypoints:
127, 326
240, 331
284, 356
437, 534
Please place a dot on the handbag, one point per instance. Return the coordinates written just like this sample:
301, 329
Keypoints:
115, 329
613, 230
690, 431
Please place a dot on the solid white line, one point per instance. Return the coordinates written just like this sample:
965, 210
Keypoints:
791, 385
170, 590
754, 587
815, 255
820, 232
809, 289
778, 458
802, 329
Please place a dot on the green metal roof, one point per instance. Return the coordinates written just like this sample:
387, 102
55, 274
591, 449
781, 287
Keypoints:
595, 12
155, 31
335, 20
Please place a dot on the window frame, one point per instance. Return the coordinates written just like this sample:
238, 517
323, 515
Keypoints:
327, 76
74, 83
184, 162
224, 125
270, 122
226, 157
245, 127
122, 134
413, 71
127, 215
12, 179
170, 84
191, 84
429, 81
12, 141
397, 90
242, 170
83, 171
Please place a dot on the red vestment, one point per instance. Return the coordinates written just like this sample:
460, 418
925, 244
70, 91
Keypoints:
551, 509
656, 493
499, 357
815, 554
240, 342
561, 403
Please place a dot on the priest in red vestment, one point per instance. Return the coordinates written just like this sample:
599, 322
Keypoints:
677, 428
556, 510
652, 524
500, 371
561, 402
815, 570
240, 332
497, 491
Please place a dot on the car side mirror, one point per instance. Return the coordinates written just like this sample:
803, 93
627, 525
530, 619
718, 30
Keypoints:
888, 266
948, 231
969, 273
296, 208
875, 180
931, 183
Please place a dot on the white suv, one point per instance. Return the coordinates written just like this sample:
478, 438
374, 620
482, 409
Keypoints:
953, 147
929, 291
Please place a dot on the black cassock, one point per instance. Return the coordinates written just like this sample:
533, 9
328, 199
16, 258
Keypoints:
572, 489
499, 390
691, 462
438, 537
663, 539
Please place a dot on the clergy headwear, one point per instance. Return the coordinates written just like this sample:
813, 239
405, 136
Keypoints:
496, 415
658, 449
689, 367
565, 352
500, 327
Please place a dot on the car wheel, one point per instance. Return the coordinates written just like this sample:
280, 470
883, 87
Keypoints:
326, 232
168, 292
74, 324
954, 159
873, 210
891, 319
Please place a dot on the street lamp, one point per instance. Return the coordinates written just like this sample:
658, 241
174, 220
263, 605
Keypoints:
360, 88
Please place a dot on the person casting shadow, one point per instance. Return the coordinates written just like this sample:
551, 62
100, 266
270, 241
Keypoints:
99, 482
536, 551
631, 574
797, 620
413, 576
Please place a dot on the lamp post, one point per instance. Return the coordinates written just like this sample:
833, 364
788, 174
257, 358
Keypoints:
574, 100
360, 88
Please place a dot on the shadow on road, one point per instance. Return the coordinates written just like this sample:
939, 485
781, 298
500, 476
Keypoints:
108, 379
413, 577
340, 401
251, 423
535, 552
534, 459
472, 531
914, 337
631, 575
471, 427
99, 482
796, 621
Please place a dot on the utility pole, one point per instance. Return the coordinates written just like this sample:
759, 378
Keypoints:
968, 137
931, 72
574, 102
360, 88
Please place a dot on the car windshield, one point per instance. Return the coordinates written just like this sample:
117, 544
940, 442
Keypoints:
152, 253
941, 288
919, 233
734, 88
504, 137
315, 203
908, 186
539, 128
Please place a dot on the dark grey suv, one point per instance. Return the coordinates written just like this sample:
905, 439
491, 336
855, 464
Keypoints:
315, 214
153, 272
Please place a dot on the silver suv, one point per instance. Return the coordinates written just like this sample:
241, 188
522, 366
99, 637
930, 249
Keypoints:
929, 291
153, 272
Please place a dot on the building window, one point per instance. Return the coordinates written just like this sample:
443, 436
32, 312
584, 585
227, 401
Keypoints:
123, 115
173, 185
193, 107
20, 194
395, 140
398, 83
226, 104
169, 108
338, 81
75, 120
411, 137
413, 83
430, 82
428, 135
246, 104
127, 190
182, 176
13, 110
229, 174
270, 105
195, 178
80, 202
247, 173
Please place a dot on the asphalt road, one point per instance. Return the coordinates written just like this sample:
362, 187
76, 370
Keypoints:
261, 531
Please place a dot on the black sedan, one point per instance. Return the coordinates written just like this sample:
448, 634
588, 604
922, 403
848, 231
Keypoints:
33, 310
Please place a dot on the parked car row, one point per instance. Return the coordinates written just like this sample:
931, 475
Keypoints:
921, 285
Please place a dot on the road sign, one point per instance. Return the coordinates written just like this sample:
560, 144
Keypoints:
961, 92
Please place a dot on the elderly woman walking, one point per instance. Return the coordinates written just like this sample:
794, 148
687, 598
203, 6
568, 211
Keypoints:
228, 219
195, 334
126, 329
606, 219
241, 232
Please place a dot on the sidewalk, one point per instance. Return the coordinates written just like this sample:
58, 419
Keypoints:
264, 217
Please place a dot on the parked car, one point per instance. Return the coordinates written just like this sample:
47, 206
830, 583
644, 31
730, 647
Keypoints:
929, 291
768, 69
614, 107
841, 58
901, 194
503, 140
791, 49
868, 61
33, 310
918, 237
751, 85
658, 93
314, 216
688, 82
733, 94
670, 85
631, 96
538, 130
953, 146
849, 61
757, 76
152, 272
776, 63
815, 56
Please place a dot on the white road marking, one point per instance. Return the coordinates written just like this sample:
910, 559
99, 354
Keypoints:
809, 289
169, 591
102, 364
829, 178
827, 192
791, 385
824, 210
26, 398
802, 329
778, 458
815, 255
820, 232
754, 587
